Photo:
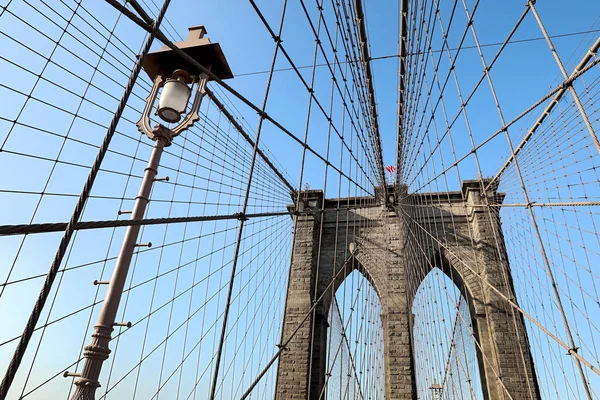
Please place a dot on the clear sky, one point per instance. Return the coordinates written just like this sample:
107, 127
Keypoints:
42, 189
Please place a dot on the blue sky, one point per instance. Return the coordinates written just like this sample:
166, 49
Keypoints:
523, 74
529, 64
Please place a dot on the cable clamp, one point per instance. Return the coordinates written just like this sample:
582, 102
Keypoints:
277, 39
572, 350
282, 347
240, 216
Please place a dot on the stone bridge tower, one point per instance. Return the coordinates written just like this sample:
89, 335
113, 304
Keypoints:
461, 238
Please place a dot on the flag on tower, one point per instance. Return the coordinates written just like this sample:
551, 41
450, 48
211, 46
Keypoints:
390, 169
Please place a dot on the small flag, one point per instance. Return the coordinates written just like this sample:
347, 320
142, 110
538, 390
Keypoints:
390, 169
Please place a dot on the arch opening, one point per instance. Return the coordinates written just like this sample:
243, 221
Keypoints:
447, 360
355, 347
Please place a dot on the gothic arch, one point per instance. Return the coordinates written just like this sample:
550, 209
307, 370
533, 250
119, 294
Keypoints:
354, 264
440, 263
462, 277
354, 319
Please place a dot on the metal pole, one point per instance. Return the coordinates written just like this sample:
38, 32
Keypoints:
98, 350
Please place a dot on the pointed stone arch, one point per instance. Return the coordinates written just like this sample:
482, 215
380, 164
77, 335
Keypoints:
438, 262
355, 299
302, 366
354, 264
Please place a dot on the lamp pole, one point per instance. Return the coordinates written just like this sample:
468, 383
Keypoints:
98, 350
174, 76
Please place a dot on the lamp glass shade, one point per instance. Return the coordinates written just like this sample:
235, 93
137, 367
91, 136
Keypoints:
173, 100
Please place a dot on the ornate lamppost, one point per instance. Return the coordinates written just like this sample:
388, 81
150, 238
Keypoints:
176, 79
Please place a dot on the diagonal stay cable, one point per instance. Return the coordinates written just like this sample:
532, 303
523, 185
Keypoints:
570, 350
289, 339
263, 114
239, 238
535, 105
562, 89
242, 132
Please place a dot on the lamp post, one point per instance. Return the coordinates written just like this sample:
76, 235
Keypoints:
177, 79
436, 391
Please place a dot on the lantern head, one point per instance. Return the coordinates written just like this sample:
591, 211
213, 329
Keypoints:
177, 78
